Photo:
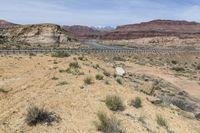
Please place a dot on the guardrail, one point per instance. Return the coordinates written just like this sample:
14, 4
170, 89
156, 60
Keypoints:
96, 50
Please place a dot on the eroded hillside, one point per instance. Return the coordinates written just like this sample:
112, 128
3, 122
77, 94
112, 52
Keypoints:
31, 36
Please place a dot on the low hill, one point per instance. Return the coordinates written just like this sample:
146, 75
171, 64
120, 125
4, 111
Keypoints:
6, 24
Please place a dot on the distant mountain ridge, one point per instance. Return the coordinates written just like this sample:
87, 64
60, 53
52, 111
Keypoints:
155, 28
6, 24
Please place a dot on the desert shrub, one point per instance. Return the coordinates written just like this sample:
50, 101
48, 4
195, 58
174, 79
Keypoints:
108, 125
119, 81
88, 81
60, 54
106, 73
107, 82
174, 62
198, 67
74, 65
161, 121
2, 90
114, 103
96, 66
118, 58
62, 71
63, 83
99, 77
178, 69
81, 58
54, 78
137, 103
72, 70
32, 54
197, 116
37, 115
55, 62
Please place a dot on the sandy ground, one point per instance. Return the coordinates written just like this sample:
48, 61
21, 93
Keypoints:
30, 82
191, 87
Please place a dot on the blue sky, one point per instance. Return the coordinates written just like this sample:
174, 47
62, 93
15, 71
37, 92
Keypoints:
97, 12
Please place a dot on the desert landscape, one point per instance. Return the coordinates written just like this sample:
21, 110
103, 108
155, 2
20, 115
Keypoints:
99, 69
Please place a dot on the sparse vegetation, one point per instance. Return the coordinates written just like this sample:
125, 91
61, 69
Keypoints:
74, 65
114, 103
178, 69
197, 116
107, 82
198, 67
119, 81
108, 125
118, 58
99, 77
88, 81
54, 78
96, 66
60, 54
2, 90
73, 68
174, 62
37, 115
63, 83
106, 73
137, 103
161, 121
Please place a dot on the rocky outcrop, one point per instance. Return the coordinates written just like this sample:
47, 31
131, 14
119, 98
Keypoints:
41, 35
84, 32
156, 28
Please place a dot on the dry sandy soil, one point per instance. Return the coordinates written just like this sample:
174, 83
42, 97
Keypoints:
29, 81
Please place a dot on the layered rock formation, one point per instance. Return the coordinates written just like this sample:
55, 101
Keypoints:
156, 28
41, 35
83, 32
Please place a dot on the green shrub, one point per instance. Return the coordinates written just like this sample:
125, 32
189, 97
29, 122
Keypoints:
174, 62
54, 78
37, 115
108, 125
118, 58
114, 103
119, 81
198, 67
88, 81
106, 73
178, 69
61, 54
107, 82
2, 90
63, 83
74, 65
99, 77
137, 103
197, 116
161, 121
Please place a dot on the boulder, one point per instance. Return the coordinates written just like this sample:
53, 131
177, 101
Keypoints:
120, 71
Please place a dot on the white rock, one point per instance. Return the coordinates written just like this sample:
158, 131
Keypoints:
120, 71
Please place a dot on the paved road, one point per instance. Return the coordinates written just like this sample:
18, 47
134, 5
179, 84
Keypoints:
98, 48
